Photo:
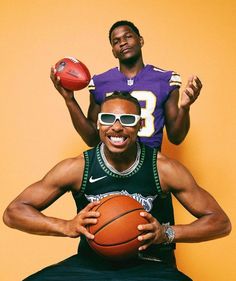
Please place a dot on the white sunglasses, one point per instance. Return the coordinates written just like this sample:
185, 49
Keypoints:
127, 120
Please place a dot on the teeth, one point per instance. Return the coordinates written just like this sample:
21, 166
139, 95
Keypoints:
117, 139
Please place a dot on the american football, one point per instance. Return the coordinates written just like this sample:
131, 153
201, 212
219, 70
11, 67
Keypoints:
74, 75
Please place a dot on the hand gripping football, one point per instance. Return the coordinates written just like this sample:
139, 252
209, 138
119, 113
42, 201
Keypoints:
74, 75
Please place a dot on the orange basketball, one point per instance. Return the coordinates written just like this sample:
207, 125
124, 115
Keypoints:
116, 233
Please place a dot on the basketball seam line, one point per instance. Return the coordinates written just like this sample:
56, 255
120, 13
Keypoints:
115, 218
120, 243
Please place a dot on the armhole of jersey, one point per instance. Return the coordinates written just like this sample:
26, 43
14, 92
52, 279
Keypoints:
85, 175
155, 172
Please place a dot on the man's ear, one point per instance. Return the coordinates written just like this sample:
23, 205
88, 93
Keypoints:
98, 127
141, 41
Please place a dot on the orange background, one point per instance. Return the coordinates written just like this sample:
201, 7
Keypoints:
36, 132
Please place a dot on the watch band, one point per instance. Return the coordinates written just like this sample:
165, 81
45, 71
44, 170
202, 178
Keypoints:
169, 233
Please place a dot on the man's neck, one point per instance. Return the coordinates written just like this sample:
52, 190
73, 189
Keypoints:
131, 68
121, 161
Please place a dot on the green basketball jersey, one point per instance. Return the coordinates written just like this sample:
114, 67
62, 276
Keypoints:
142, 184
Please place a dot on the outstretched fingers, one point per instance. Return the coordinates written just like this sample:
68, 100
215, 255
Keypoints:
193, 88
191, 91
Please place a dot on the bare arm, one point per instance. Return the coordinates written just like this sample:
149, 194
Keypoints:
25, 212
211, 222
86, 127
177, 120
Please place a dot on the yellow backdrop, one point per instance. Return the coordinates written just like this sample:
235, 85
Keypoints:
36, 132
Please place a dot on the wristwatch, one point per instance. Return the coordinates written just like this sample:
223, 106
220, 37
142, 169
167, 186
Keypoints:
170, 233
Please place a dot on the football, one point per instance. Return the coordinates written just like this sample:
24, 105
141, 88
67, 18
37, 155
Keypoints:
74, 75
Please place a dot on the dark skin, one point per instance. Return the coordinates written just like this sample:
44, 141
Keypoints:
127, 48
25, 212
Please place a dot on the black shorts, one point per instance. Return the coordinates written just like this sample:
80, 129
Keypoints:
81, 268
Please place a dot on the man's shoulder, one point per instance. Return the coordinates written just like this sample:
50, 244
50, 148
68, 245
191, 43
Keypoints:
167, 75
106, 74
169, 166
73, 162
104, 78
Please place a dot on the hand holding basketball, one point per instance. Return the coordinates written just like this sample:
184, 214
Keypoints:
77, 226
153, 232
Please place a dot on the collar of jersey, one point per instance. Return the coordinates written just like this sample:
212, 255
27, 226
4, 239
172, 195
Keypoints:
112, 174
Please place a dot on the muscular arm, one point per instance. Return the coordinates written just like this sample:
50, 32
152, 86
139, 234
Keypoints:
211, 222
177, 120
85, 126
25, 212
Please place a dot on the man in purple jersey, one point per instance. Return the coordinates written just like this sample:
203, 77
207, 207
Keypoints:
151, 86
156, 89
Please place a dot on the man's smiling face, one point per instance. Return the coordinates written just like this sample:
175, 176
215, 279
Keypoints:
117, 137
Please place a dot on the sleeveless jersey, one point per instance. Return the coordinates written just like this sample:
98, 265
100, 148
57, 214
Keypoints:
151, 86
142, 184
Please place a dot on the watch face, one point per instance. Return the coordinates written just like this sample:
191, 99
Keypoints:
169, 231
170, 234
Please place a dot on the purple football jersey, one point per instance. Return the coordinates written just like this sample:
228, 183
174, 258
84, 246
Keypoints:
151, 86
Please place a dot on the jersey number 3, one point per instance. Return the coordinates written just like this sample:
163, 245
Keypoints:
147, 110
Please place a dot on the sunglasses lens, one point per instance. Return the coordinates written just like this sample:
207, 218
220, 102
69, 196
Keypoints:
108, 118
127, 119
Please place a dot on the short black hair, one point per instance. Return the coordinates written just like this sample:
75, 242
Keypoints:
121, 23
124, 95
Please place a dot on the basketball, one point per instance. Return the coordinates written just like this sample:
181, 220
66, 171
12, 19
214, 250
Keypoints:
74, 75
116, 233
